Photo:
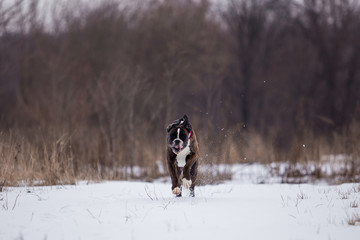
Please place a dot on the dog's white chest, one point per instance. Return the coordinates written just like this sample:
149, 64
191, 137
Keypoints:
181, 156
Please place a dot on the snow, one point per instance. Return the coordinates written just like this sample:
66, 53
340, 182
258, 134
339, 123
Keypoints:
244, 173
140, 210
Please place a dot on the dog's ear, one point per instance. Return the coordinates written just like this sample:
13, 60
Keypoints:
186, 123
170, 126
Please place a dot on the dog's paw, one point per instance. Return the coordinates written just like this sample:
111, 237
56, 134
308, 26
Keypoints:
186, 183
176, 191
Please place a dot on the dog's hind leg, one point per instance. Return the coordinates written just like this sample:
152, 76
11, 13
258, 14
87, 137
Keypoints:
192, 191
193, 175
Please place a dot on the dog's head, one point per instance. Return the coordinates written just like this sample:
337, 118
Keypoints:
178, 134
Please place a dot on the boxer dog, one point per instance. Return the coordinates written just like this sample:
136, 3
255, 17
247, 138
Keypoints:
182, 155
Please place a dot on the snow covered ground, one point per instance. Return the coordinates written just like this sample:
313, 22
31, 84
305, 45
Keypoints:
140, 210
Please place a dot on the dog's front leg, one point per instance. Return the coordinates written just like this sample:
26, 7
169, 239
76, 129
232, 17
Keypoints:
186, 179
174, 174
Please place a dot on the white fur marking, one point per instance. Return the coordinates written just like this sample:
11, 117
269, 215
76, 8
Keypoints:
176, 191
178, 136
181, 156
186, 183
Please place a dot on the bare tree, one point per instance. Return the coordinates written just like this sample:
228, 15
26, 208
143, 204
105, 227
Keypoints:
250, 23
329, 26
9, 14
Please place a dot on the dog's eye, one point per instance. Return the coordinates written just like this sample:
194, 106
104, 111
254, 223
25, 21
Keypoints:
173, 135
182, 135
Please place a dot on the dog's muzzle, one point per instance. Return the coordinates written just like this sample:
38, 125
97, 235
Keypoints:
177, 145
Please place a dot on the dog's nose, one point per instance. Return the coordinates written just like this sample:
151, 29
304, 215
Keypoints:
177, 142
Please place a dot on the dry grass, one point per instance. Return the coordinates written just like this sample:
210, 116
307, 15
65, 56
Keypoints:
344, 195
49, 157
35, 161
213, 177
236, 146
354, 204
302, 195
354, 219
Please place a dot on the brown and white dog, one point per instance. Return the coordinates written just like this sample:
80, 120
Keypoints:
182, 155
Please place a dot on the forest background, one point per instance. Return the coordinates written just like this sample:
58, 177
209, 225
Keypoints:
86, 91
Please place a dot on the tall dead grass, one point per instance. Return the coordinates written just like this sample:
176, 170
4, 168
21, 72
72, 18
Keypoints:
334, 158
49, 157
36, 160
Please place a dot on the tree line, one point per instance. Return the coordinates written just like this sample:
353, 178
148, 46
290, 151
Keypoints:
94, 88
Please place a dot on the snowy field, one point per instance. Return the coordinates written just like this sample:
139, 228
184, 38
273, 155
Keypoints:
140, 210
